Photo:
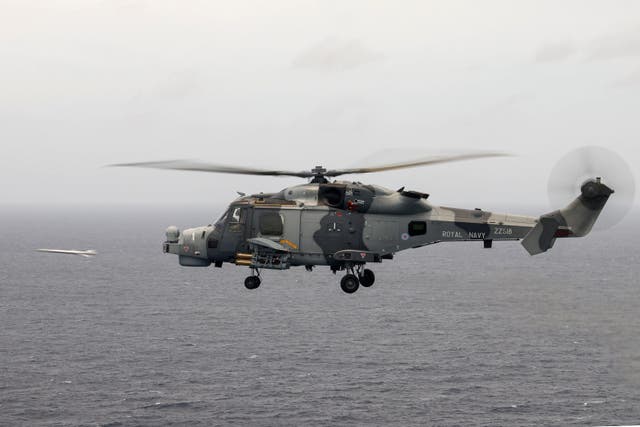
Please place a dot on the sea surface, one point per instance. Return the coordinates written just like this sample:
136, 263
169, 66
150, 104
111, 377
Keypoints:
450, 334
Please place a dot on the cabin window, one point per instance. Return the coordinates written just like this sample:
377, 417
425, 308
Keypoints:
271, 224
417, 228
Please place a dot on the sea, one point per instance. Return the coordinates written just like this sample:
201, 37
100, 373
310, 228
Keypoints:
449, 335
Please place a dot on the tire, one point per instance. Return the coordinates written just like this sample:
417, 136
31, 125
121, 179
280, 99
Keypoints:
349, 283
367, 278
252, 282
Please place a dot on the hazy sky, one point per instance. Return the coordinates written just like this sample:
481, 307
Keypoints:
292, 84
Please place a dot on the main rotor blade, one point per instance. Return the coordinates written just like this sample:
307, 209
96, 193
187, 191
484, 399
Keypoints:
423, 162
190, 165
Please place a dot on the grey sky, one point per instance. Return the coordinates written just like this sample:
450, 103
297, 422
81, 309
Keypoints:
292, 84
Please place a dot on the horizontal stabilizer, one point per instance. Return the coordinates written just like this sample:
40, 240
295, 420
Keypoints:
542, 237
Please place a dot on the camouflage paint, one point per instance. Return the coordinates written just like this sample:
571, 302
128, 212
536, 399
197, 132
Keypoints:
323, 219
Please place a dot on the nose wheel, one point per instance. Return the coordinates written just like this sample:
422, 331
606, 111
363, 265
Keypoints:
252, 282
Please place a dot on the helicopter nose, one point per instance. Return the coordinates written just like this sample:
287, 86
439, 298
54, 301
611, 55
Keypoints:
190, 245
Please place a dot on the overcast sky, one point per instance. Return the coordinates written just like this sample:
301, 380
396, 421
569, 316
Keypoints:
292, 84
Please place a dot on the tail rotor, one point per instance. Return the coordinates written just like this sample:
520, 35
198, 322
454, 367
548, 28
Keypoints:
585, 163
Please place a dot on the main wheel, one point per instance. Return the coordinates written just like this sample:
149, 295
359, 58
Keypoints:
349, 283
252, 282
367, 278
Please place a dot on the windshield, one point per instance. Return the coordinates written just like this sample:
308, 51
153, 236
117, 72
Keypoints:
223, 217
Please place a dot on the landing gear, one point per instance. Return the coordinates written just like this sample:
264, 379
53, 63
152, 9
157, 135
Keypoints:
367, 278
349, 283
253, 281
357, 275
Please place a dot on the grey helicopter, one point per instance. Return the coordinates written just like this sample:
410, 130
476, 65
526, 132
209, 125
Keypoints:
348, 225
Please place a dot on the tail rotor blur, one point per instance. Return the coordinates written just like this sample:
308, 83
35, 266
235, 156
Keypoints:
585, 163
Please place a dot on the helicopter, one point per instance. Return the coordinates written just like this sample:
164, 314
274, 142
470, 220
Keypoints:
349, 225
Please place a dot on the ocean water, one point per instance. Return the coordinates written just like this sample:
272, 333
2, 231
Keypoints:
451, 334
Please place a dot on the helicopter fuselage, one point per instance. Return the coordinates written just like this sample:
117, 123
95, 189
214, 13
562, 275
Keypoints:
337, 224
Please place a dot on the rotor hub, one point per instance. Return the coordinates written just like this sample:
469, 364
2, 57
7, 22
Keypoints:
318, 175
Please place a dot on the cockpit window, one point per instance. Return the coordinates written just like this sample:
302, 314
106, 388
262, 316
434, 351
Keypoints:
235, 216
236, 219
223, 217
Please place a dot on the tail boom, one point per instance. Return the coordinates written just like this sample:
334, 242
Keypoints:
575, 220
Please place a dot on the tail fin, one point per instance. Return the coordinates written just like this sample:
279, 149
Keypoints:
576, 220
